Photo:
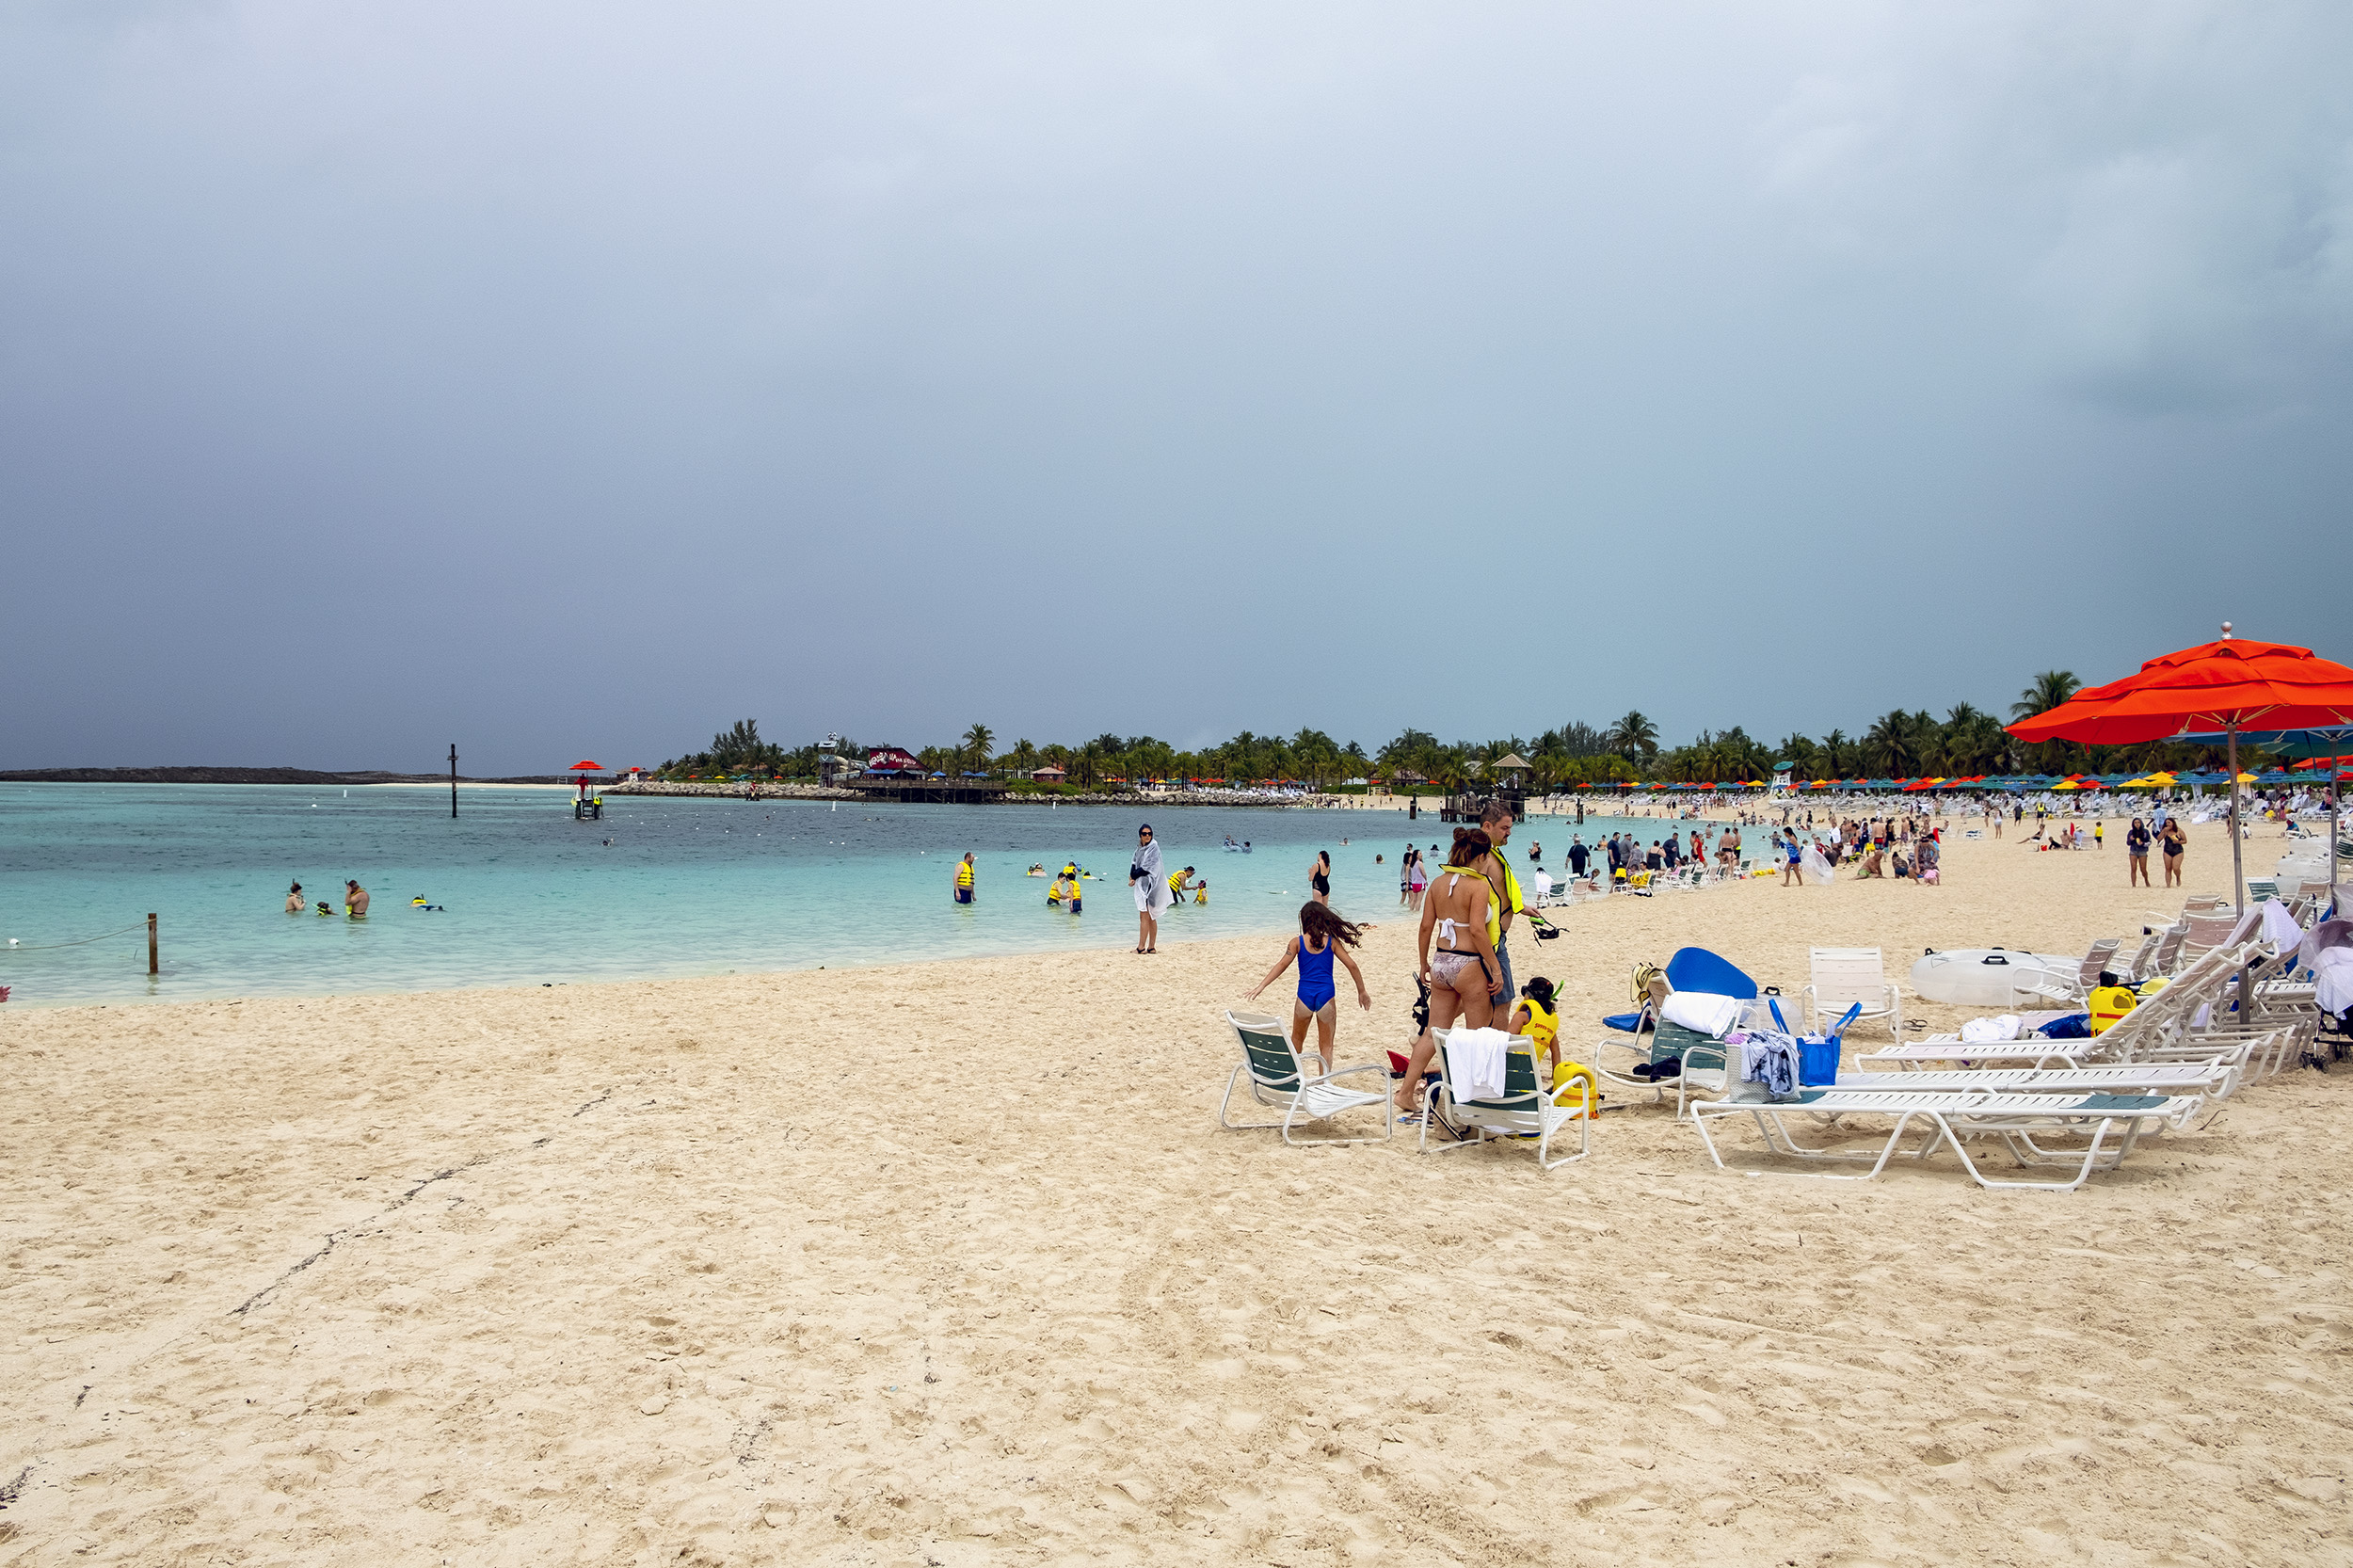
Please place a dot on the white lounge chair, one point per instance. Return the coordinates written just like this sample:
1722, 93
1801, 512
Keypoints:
1852, 977
2017, 1119
2210, 1081
1525, 1108
1279, 1079
2099, 960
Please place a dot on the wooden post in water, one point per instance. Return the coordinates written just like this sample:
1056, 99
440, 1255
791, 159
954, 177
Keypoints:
453, 780
150, 945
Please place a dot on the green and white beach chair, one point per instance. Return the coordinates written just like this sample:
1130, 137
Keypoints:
1525, 1111
1278, 1079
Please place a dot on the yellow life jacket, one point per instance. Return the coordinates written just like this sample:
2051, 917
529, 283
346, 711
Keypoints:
1544, 1024
964, 873
2108, 1004
1176, 882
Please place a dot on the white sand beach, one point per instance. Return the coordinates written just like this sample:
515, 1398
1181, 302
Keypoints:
948, 1264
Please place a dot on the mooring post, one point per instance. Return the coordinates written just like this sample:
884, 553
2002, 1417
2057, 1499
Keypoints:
453, 778
150, 945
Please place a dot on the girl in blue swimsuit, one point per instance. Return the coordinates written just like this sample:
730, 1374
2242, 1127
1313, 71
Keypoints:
1322, 937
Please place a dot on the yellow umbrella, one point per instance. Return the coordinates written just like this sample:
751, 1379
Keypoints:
2156, 781
2065, 784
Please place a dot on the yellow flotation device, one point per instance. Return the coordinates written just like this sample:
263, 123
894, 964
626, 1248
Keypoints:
964, 873
1570, 1075
2109, 1003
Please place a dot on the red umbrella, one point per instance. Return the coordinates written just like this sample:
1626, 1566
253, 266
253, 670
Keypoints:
2229, 686
592, 767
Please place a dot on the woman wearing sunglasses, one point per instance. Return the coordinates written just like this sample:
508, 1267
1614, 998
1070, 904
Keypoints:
1151, 889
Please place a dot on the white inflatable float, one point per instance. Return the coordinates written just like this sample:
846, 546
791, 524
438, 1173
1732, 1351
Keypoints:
1995, 977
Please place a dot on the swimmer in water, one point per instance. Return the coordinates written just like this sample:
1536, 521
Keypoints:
295, 903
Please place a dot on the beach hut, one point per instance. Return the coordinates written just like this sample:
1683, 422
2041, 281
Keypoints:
1049, 775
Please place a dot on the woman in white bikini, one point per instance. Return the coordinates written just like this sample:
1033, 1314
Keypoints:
1458, 910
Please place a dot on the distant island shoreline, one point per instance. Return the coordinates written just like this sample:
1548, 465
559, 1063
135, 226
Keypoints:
248, 776
764, 789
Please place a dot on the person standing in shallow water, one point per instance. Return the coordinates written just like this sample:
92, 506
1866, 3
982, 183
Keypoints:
965, 871
295, 903
355, 898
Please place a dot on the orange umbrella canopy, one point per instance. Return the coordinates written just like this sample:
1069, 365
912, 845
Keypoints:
2231, 683
592, 767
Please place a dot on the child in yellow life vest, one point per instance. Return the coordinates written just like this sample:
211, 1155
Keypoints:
1537, 1017
2108, 1003
1065, 892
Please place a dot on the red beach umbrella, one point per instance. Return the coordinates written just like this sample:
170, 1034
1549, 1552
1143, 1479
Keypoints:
2229, 686
592, 767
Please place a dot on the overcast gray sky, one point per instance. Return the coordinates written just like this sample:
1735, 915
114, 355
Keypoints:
572, 379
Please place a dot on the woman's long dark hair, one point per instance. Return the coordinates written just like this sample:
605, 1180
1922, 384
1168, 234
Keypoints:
1318, 920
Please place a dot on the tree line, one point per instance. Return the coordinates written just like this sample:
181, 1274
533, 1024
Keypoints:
1967, 742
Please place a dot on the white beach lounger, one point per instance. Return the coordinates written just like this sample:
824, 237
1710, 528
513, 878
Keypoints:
2208, 1081
1951, 1050
1850, 977
2113, 1122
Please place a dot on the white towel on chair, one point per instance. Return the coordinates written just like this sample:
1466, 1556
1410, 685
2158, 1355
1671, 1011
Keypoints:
1474, 1062
1987, 1032
2280, 927
1703, 1011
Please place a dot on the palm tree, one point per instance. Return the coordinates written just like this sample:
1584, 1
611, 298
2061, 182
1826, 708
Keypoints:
977, 740
2050, 688
1892, 746
1837, 754
1633, 737
1023, 757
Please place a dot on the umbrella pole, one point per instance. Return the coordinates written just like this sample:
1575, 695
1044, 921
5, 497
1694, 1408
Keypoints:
2238, 874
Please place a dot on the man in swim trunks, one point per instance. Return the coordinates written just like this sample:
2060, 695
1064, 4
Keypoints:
355, 897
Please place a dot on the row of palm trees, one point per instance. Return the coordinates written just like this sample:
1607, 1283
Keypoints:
1967, 741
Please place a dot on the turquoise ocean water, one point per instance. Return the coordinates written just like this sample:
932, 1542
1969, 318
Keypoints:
686, 885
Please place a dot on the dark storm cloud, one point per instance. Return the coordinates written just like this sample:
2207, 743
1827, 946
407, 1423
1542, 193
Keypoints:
578, 378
